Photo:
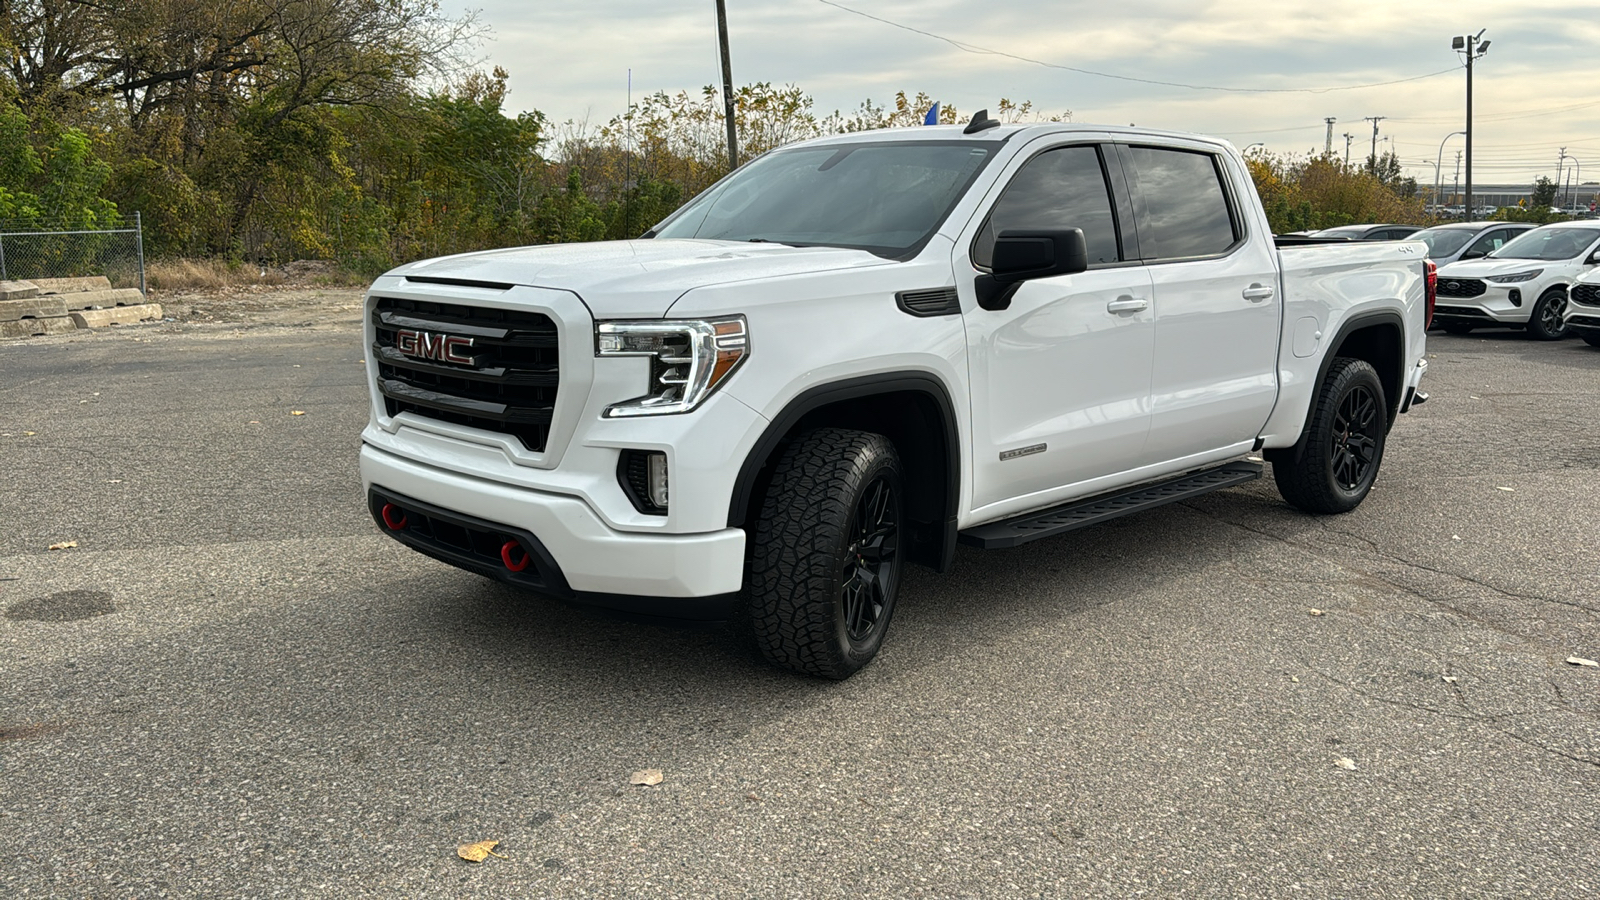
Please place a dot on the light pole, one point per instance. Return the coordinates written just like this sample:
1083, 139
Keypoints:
1438, 160
1471, 46
1246, 150
1560, 165
727, 86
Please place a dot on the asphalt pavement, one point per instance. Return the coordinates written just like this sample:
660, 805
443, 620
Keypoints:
234, 686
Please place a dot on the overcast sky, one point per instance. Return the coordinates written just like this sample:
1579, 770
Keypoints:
1535, 91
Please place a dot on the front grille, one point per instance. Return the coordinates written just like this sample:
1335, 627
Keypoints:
1467, 312
1583, 321
1461, 287
1587, 294
509, 386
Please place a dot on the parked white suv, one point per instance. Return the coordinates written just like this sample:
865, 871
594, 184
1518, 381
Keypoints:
1467, 240
1524, 283
1583, 307
855, 353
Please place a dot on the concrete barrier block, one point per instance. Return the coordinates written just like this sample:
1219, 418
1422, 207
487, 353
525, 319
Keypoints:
72, 285
18, 290
32, 308
35, 327
102, 299
121, 315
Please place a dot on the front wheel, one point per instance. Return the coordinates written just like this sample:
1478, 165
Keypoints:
1546, 323
1592, 338
1343, 445
825, 557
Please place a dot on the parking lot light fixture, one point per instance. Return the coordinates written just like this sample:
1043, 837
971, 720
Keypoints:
1473, 47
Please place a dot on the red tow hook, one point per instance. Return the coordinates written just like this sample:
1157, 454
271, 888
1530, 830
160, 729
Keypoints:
393, 516
515, 558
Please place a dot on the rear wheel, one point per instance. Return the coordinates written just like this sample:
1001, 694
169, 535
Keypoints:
1343, 445
825, 557
1545, 322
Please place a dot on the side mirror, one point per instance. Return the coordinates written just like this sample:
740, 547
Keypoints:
1474, 254
1025, 255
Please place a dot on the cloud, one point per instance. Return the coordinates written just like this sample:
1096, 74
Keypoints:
572, 61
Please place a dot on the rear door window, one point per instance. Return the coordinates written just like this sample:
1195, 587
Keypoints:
1061, 188
1187, 209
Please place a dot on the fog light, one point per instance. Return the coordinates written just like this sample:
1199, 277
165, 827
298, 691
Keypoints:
1516, 297
656, 478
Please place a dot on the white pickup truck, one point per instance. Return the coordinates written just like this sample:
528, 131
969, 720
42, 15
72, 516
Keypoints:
855, 353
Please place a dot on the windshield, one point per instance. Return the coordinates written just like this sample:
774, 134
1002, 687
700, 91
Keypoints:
1548, 244
1444, 241
886, 198
1345, 231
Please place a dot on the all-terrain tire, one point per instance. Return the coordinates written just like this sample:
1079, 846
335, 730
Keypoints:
824, 561
1545, 323
1344, 442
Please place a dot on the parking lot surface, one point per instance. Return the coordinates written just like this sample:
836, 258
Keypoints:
233, 685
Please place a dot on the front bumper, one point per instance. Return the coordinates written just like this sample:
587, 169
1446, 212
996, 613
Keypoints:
1499, 304
672, 575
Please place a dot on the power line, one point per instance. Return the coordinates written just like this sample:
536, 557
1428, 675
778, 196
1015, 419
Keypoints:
974, 48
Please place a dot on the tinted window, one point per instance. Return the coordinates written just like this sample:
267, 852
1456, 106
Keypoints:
1489, 243
1188, 209
886, 198
1548, 243
1443, 241
1063, 188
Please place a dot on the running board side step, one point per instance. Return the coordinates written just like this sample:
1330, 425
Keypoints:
1083, 513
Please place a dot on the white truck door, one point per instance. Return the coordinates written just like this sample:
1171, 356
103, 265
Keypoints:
1060, 380
1217, 310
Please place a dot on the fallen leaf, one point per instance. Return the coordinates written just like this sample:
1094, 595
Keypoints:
1580, 661
113, 481
478, 852
64, 545
29, 433
1451, 679
297, 412
1315, 612
646, 777
253, 422
1455, 537
1506, 489
1295, 678
1345, 762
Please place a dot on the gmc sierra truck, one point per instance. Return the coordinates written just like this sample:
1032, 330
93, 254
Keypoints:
854, 353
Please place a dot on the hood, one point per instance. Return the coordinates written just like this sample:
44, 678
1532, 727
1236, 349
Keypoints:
1479, 268
619, 279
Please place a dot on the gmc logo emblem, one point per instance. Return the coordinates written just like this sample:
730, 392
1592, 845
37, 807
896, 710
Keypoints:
449, 348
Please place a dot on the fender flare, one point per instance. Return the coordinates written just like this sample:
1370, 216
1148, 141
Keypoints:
850, 389
1352, 324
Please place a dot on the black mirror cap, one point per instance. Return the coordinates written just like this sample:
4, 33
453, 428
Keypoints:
1021, 255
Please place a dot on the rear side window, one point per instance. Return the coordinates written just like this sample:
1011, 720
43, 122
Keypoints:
1062, 188
1188, 212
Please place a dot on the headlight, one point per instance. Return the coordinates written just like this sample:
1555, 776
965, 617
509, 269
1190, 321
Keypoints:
1515, 277
690, 358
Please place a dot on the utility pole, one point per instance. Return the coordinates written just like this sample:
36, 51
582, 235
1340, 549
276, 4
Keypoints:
1457, 192
727, 86
1560, 166
1348, 137
1327, 144
1372, 165
1471, 46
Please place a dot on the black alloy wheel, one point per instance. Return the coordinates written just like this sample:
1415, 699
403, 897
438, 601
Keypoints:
825, 555
1333, 468
1545, 323
871, 560
1355, 438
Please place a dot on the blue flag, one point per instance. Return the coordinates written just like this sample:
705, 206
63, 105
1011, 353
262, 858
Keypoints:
932, 118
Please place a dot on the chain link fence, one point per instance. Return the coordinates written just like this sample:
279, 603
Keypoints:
41, 248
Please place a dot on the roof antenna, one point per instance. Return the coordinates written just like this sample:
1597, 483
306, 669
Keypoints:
980, 122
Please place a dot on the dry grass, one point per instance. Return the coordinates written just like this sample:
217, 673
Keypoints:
205, 275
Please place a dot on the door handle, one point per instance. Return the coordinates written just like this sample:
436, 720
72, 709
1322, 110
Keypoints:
1256, 293
1127, 304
